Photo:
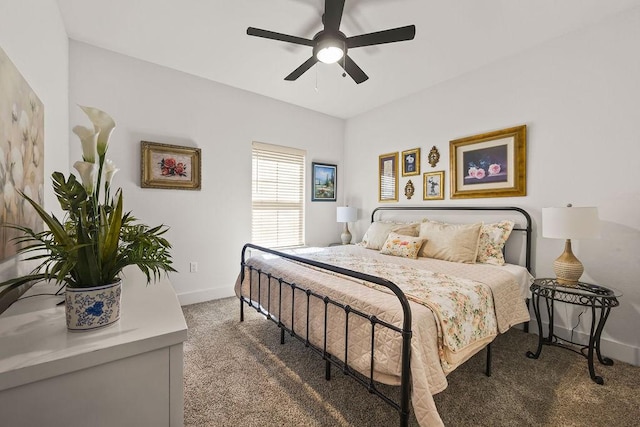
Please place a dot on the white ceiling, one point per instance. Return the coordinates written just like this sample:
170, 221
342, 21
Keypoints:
207, 38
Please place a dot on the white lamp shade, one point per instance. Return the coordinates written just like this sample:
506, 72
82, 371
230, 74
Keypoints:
570, 223
346, 214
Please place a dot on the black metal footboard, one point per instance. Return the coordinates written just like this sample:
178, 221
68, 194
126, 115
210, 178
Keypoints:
330, 359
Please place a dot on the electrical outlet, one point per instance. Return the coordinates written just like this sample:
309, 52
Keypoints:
193, 267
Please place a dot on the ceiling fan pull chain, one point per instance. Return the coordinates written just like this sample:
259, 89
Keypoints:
317, 80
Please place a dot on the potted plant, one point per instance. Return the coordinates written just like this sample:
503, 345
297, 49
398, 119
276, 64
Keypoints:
96, 239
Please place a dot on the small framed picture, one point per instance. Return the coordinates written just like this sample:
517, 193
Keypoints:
323, 182
170, 166
388, 177
432, 185
411, 162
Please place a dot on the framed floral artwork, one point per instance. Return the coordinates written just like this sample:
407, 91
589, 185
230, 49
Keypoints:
492, 164
21, 155
323, 182
170, 166
433, 185
411, 162
388, 177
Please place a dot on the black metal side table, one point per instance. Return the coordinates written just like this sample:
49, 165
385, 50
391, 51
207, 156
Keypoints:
599, 298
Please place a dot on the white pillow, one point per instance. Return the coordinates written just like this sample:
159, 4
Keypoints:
450, 242
378, 232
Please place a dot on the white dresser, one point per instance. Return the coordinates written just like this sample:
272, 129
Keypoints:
128, 374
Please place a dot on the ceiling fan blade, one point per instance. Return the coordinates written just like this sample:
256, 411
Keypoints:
332, 15
278, 36
353, 70
381, 37
301, 69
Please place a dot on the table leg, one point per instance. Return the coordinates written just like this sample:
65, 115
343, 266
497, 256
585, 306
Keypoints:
550, 315
535, 299
604, 314
592, 343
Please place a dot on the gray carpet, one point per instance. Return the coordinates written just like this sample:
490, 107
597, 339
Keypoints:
238, 374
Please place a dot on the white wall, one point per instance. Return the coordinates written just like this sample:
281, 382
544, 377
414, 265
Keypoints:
153, 103
578, 96
33, 36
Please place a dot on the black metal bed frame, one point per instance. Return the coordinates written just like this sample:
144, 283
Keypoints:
405, 331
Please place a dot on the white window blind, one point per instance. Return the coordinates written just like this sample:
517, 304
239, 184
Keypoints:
277, 196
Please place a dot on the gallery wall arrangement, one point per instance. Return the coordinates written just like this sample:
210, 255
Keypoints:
491, 164
21, 154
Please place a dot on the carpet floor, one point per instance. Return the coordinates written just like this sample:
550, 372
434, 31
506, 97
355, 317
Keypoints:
237, 374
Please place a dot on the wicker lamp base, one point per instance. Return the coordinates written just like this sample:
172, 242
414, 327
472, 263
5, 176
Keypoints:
567, 267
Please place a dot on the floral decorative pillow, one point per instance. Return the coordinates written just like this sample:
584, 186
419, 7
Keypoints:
492, 240
402, 246
378, 232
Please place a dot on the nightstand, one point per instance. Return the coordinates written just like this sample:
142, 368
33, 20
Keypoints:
600, 299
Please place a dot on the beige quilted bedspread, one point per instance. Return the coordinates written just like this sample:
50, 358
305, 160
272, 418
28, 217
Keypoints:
431, 357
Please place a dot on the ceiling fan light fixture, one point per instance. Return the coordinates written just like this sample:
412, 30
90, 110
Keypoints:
330, 51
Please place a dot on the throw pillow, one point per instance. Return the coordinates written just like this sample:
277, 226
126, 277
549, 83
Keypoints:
378, 232
492, 240
450, 242
402, 246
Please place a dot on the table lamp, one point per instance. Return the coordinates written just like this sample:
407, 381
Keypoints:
346, 214
569, 223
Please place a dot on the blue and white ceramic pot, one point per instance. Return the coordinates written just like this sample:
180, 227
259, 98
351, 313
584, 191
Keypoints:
92, 308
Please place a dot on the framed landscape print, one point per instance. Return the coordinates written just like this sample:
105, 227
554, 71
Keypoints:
489, 165
170, 166
411, 162
323, 182
388, 177
433, 185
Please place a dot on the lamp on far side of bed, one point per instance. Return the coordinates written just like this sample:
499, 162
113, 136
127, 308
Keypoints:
569, 223
346, 214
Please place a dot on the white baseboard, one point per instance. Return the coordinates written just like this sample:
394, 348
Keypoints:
610, 348
194, 297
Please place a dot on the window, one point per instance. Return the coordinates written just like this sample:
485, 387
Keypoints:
277, 196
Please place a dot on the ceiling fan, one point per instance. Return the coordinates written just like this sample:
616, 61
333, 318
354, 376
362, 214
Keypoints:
330, 45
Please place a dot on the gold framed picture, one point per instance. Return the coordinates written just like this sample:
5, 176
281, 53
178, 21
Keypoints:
170, 166
491, 164
411, 162
433, 185
388, 177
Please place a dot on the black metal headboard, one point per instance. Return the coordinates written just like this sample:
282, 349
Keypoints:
526, 230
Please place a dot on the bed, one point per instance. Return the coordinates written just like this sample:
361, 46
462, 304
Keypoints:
397, 320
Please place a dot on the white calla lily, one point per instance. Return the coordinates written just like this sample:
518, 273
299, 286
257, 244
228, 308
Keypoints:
89, 139
88, 172
110, 169
104, 125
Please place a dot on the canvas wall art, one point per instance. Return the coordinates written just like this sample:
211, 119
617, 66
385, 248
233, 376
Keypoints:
21, 154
